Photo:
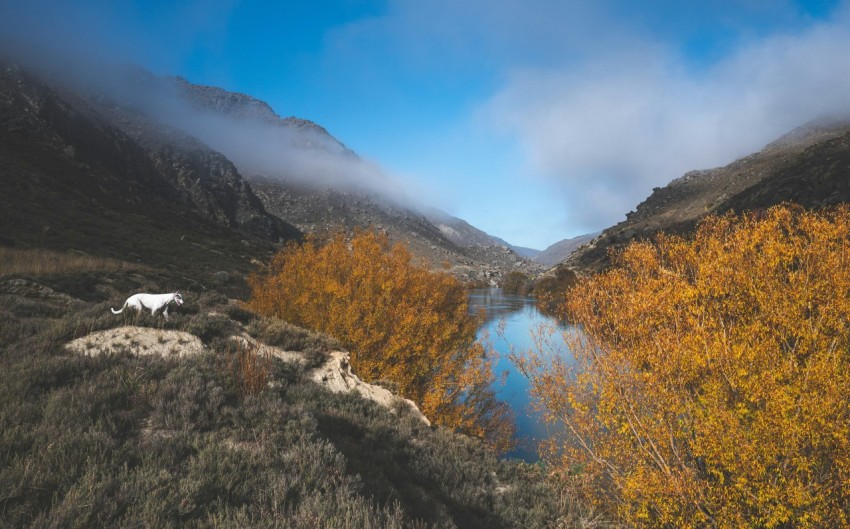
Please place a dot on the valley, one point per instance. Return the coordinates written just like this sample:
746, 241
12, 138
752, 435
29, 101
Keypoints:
134, 182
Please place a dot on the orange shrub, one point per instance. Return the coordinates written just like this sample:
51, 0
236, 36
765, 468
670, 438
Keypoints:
711, 385
400, 322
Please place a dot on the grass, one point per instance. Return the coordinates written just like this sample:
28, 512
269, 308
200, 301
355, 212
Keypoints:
137, 441
40, 262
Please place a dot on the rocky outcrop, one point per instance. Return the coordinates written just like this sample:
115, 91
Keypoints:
263, 350
221, 101
216, 189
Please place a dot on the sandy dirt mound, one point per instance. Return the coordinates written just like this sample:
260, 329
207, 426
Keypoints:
336, 375
138, 340
261, 349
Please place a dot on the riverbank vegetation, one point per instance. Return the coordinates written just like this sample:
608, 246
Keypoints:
401, 322
517, 283
549, 288
710, 383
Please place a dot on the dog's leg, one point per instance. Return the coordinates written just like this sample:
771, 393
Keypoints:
165, 311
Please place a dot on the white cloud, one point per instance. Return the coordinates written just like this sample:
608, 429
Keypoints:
630, 120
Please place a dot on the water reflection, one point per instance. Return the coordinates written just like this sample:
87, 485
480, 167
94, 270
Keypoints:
496, 304
508, 325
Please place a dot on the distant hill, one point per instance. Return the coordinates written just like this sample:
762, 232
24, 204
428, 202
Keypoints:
561, 250
808, 166
522, 251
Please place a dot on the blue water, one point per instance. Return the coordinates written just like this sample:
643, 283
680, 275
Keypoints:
509, 323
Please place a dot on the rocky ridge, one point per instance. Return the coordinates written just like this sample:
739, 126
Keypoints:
204, 177
315, 207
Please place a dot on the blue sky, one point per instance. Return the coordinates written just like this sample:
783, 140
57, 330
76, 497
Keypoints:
534, 120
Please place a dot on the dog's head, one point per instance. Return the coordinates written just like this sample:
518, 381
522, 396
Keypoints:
178, 298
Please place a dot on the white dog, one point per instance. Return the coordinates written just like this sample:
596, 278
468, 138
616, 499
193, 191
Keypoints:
154, 302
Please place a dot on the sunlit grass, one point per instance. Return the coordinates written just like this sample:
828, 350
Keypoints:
33, 262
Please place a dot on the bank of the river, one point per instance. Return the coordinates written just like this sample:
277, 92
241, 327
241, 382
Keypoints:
509, 323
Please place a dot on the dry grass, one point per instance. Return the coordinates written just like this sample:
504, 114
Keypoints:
111, 440
252, 370
33, 262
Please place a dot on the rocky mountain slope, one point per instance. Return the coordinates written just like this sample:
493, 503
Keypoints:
466, 235
331, 198
73, 179
161, 147
561, 250
323, 210
809, 166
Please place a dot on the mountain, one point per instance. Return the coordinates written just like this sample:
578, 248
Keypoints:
304, 175
561, 250
461, 232
471, 254
528, 253
78, 176
467, 236
808, 166
215, 157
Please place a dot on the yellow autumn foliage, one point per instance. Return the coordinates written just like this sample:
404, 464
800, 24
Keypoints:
711, 382
401, 322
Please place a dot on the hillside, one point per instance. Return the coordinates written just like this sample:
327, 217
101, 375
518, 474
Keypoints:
808, 166
72, 180
130, 420
306, 176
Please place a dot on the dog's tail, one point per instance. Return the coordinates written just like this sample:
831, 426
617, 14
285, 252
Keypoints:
118, 311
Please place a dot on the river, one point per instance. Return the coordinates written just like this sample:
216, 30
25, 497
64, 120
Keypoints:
509, 321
